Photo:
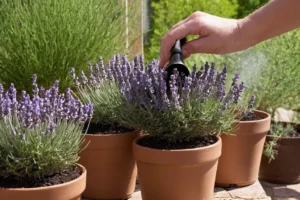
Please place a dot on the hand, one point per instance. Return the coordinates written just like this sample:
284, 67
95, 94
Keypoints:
216, 35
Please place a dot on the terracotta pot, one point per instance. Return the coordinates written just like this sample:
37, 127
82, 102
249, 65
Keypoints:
285, 168
177, 174
67, 191
241, 152
110, 164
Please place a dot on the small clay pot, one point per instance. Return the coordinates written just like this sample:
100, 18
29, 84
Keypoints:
285, 169
67, 191
110, 164
177, 174
241, 152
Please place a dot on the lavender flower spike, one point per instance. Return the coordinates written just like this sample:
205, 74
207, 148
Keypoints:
35, 88
74, 77
48, 108
1, 91
251, 102
238, 92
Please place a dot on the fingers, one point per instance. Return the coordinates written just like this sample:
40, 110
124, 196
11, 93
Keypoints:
194, 15
200, 45
179, 23
190, 27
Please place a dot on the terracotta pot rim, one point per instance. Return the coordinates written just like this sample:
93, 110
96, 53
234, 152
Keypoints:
267, 118
82, 175
175, 150
111, 135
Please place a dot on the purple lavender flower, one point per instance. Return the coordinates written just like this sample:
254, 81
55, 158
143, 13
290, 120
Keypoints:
144, 84
84, 80
165, 103
223, 75
12, 93
90, 111
35, 88
174, 92
1, 91
102, 68
51, 128
97, 72
194, 71
186, 90
5, 107
74, 77
220, 91
92, 78
48, 108
238, 92
234, 80
251, 102
42, 91
211, 74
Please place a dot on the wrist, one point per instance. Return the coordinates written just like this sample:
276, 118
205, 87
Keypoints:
247, 33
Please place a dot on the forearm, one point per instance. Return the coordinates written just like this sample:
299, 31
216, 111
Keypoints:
275, 18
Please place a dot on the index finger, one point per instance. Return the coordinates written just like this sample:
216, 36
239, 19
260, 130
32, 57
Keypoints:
191, 27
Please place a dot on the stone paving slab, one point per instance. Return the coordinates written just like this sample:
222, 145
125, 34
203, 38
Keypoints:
282, 191
252, 192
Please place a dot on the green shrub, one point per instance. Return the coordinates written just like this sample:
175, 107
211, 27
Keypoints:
48, 37
271, 70
165, 14
247, 7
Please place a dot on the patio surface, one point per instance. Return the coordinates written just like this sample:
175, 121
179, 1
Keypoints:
281, 191
257, 191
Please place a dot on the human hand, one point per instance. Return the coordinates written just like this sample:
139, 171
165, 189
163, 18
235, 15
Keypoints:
216, 35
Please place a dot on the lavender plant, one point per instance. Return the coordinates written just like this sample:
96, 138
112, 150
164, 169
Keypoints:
48, 37
40, 135
193, 106
101, 89
278, 130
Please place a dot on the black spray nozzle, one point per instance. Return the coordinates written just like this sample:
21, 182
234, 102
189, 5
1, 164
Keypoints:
176, 62
177, 48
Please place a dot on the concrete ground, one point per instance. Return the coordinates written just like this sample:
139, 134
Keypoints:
253, 192
281, 191
258, 191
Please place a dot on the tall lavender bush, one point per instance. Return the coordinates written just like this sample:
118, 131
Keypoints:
40, 135
48, 37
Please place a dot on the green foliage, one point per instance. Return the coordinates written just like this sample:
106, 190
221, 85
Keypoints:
271, 71
282, 74
193, 120
246, 7
106, 98
32, 154
277, 130
47, 37
165, 14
